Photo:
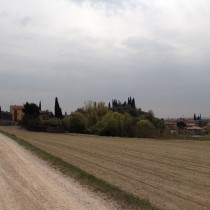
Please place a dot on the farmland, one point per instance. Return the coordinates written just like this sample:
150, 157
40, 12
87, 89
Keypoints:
173, 174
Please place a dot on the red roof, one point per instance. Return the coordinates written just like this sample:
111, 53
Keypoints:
16, 107
189, 122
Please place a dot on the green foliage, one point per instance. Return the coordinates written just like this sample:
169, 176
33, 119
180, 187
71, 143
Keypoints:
93, 112
145, 129
53, 125
158, 124
31, 115
76, 122
126, 107
160, 127
181, 125
58, 111
118, 119
53, 122
5, 115
90, 111
149, 115
116, 124
40, 106
31, 110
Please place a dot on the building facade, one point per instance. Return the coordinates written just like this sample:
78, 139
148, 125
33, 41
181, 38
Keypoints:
17, 113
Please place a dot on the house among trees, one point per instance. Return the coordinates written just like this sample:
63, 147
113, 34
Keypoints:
45, 115
171, 124
196, 130
192, 126
208, 124
17, 113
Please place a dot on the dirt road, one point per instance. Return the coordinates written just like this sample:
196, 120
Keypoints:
27, 182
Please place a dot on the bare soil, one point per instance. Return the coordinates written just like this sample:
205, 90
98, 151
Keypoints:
26, 182
172, 174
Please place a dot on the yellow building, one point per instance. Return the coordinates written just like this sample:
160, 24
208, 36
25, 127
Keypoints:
17, 113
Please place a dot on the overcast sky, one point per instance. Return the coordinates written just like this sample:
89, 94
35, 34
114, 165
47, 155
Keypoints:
157, 51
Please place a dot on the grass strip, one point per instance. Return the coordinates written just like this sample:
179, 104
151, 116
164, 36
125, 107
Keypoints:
126, 200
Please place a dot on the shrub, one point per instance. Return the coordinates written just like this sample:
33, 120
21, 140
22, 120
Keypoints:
54, 122
116, 124
76, 122
145, 129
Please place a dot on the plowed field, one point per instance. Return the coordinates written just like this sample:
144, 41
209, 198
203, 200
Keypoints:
172, 174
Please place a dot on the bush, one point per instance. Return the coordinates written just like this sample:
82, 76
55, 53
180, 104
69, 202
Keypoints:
94, 113
76, 122
53, 123
145, 129
116, 124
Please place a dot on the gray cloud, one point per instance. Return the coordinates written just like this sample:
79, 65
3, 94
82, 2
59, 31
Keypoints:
99, 50
25, 21
147, 46
115, 3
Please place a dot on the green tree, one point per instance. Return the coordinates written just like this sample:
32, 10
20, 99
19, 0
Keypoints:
58, 111
126, 125
110, 124
159, 125
6, 115
31, 110
31, 115
93, 112
116, 124
149, 115
145, 129
181, 125
76, 122
40, 106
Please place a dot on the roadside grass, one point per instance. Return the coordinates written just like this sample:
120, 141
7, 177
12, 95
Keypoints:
124, 199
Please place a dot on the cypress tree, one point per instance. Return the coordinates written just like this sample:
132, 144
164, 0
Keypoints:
58, 111
56, 107
133, 103
40, 106
130, 101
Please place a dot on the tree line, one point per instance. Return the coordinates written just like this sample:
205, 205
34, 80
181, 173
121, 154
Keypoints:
116, 119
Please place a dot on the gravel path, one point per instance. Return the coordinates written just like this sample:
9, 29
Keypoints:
26, 182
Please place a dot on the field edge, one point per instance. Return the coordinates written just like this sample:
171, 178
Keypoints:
124, 199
